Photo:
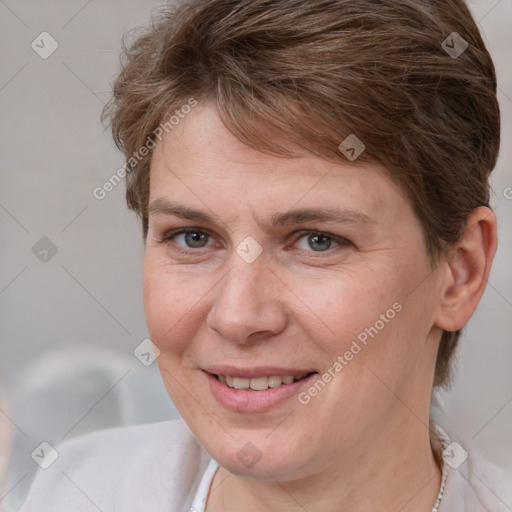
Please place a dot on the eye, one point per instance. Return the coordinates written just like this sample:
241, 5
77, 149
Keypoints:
191, 239
318, 242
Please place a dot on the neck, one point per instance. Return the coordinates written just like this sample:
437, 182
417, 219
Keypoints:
398, 472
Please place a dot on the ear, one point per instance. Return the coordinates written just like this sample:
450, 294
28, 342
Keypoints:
468, 265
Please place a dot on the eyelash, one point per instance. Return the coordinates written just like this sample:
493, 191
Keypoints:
340, 241
167, 239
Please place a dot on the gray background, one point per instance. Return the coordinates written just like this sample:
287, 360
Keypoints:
69, 325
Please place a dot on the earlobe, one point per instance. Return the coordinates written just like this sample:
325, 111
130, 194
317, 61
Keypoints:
467, 270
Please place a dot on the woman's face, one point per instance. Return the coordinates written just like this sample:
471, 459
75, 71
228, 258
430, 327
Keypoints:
258, 268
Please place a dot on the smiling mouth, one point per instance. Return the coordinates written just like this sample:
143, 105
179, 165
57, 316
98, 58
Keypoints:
260, 383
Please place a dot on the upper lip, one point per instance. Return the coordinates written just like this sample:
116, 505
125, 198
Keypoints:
256, 371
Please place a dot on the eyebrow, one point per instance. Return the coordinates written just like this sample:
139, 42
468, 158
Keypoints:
321, 215
299, 216
164, 207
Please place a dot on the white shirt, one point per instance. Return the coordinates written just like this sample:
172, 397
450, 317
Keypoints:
199, 503
162, 468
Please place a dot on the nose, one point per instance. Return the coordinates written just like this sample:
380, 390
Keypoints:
248, 305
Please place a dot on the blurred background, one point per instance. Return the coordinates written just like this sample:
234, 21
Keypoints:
72, 320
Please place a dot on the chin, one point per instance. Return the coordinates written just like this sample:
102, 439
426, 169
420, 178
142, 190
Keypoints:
262, 458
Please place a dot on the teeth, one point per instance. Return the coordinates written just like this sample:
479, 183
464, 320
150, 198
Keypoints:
275, 381
239, 383
259, 383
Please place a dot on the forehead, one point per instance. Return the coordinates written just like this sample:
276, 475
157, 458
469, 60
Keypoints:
200, 160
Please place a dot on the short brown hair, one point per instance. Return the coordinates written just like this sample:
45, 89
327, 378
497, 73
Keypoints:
317, 72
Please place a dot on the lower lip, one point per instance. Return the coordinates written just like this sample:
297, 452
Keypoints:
254, 401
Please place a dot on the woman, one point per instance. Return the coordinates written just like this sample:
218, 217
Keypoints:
312, 179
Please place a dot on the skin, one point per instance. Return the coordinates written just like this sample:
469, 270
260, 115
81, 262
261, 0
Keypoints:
362, 443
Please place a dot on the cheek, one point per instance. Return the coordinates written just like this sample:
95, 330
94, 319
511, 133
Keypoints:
173, 304
335, 310
368, 317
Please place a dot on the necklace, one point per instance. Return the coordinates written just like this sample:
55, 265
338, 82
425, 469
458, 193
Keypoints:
442, 442
441, 489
